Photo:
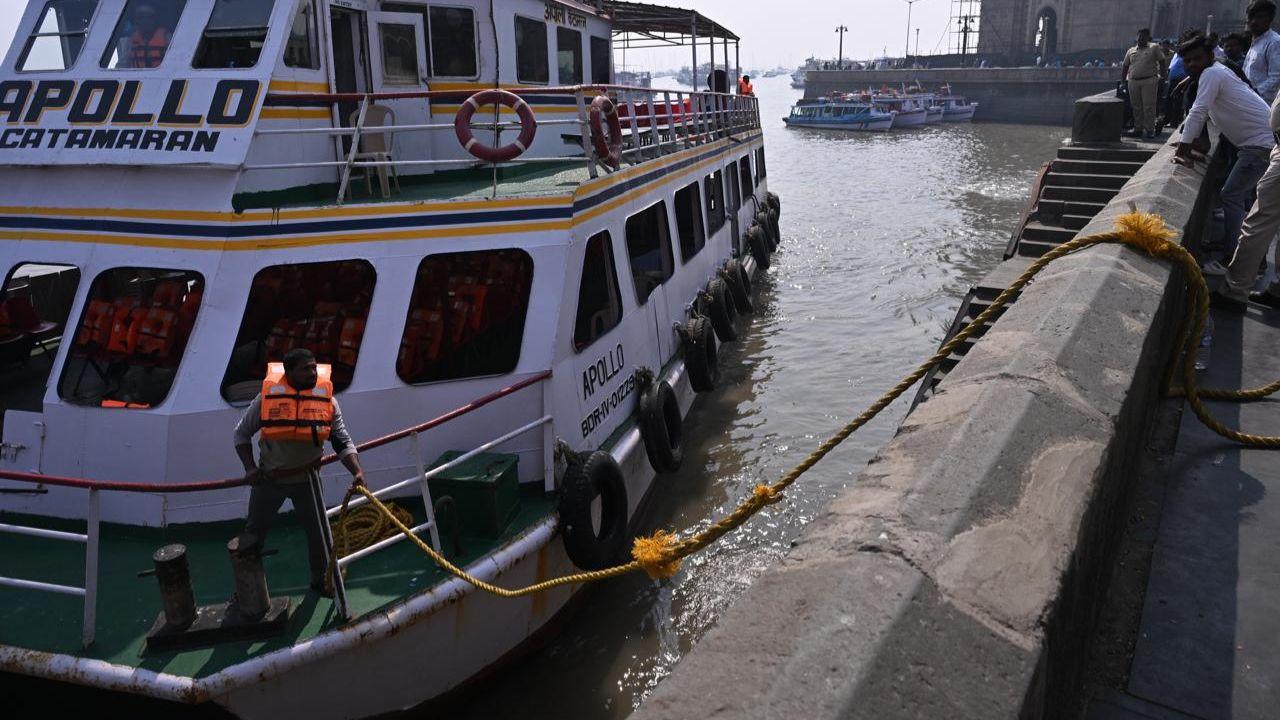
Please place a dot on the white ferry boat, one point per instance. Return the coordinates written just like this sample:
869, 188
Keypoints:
453, 206
955, 108
841, 111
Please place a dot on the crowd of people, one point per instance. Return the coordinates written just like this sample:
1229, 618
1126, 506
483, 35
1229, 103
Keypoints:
1231, 82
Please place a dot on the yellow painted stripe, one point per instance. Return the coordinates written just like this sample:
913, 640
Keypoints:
297, 86
288, 113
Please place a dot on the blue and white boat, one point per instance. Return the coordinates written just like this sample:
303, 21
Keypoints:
955, 108
840, 112
908, 110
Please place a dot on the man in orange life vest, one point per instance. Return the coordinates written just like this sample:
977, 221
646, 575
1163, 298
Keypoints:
744, 86
149, 40
296, 412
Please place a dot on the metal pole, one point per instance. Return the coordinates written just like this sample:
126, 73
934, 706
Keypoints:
840, 53
416, 444
693, 33
906, 50
91, 571
917, 42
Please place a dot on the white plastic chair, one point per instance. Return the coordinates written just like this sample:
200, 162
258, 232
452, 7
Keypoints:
376, 147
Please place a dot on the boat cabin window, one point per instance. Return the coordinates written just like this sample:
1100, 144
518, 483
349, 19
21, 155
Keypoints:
735, 192
601, 50
58, 36
744, 176
451, 36
131, 336
467, 315
569, 56
319, 306
302, 49
399, 53
689, 221
599, 300
235, 34
531, 51
649, 249
142, 34
34, 305
715, 201
759, 164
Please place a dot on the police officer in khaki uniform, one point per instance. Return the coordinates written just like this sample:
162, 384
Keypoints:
1144, 64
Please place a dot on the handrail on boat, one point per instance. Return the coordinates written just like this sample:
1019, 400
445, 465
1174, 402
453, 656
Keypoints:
202, 486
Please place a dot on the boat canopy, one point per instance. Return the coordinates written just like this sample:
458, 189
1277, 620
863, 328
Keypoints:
667, 26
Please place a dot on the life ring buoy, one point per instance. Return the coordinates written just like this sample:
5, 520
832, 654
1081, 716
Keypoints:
701, 356
510, 151
759, 244
661, 426
596, 475
721, 311
609, 149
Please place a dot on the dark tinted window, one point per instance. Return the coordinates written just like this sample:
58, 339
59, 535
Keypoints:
759, 164
302, 51
599, 300
689, 221
715, 201
319, 306
531, 51
735, 192
453, 42
569, 56
466, 318
142, 35
59, 34
34, 305
132, 333
235, 33
649, 250
744, 175
601, 49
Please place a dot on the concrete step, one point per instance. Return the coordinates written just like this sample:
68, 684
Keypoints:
1115, 154
1074, 222
1097, 167
1067, 207
1049, 233
1035, 248
1078, 194
1086, 180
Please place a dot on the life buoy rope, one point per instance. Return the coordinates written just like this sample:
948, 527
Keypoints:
609, 149
488, 153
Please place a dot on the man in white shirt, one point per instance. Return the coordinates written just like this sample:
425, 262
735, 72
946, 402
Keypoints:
1242, 117
1262, 62
1259, 228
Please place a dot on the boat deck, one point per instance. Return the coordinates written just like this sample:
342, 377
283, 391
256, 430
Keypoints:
128, 605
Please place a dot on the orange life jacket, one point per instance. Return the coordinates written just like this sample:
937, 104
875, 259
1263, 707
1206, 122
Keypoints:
349, 343
126, 327
147, 53
96, 326
158, 333
744, 87
297, 415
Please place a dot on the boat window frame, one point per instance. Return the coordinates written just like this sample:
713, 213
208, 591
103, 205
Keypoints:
424, 9
409, 308
746, 177
112, 41
546, 48
733, 202
266, 39
87, 299
663, 223
611, 260
580, 56
35, 32
699, 226
721, 216
608, 59
313, 36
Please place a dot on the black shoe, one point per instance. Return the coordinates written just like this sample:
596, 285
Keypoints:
1222, 302
1265, 298
322, 589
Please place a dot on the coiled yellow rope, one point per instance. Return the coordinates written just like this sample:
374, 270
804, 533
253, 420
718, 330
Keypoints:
660, 554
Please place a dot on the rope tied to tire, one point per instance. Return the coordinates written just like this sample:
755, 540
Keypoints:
660, 554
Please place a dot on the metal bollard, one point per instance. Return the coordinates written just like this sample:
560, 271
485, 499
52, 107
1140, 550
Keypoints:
252, 598
175, 585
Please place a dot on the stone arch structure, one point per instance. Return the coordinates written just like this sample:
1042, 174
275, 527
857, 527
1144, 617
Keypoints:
1045, 32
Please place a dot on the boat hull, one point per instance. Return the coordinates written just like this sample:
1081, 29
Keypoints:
934, 116
873, 125
959, 115
910, 118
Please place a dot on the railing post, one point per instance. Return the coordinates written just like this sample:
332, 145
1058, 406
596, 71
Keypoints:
653, 125
588, 147
548, 441
635, 131
671, 120
91, 571
426, 490
355, 147
685, 120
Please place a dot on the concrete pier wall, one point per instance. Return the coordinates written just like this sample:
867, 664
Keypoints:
960, 574
1031, 95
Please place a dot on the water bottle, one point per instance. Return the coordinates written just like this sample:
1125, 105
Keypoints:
1202, 352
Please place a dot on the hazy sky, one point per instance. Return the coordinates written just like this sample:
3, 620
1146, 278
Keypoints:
772, 33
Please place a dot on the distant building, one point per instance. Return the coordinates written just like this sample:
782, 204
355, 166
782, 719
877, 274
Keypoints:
1020, 30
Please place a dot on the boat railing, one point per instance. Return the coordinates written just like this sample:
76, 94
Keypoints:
654, 123
90, 537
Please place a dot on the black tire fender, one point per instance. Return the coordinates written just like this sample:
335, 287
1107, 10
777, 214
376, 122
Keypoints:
762, 219
736, 278
701, 354
662, 427
591, 476
759, 244
721, 311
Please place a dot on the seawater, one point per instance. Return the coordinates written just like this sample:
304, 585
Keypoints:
883, 233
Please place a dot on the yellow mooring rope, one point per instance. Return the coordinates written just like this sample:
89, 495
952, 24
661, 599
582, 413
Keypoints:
660, 554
